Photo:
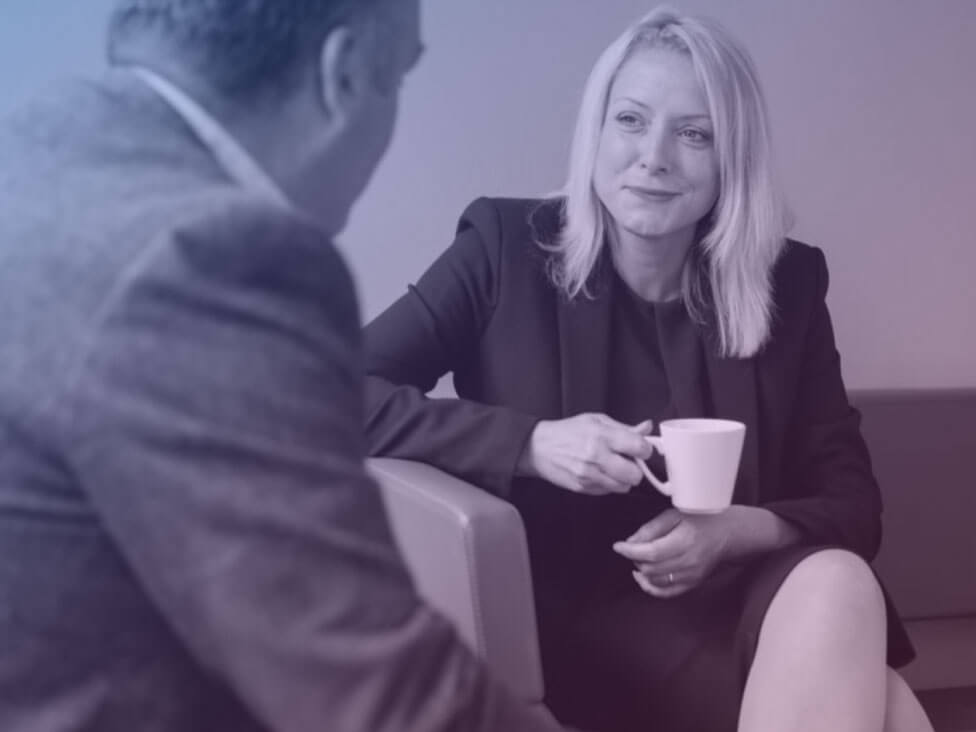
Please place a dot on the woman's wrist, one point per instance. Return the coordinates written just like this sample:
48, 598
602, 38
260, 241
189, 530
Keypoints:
756, 531
527, 464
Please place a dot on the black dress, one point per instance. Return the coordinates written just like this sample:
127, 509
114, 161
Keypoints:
615, 658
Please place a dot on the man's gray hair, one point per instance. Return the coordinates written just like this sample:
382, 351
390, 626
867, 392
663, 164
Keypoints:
239, 47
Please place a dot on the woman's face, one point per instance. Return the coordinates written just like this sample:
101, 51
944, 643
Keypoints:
656, 169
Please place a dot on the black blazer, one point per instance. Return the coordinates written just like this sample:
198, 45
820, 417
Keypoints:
520, 352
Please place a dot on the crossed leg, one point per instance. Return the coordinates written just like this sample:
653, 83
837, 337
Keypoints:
820, 659
903, 713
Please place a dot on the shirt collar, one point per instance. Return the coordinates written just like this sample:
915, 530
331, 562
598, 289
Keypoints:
231, 155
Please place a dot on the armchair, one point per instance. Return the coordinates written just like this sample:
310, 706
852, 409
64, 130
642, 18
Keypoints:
467, 552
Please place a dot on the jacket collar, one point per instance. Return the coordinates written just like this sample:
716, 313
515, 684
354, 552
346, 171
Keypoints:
229, 153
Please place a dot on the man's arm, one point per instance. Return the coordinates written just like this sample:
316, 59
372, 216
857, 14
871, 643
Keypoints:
217, 428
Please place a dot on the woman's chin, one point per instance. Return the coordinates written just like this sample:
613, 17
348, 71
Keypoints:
651, 228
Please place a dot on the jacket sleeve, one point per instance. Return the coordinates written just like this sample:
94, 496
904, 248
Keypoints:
838, 500
216, 428
431, 330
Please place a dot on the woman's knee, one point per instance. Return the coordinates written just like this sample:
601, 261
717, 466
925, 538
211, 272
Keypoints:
836, 580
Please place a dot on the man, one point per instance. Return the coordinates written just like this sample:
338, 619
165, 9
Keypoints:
187, 538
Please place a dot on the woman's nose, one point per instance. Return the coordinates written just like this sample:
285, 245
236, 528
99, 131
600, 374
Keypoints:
655, 150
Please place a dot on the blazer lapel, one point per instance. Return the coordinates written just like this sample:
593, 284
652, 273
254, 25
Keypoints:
584, 348
734, 394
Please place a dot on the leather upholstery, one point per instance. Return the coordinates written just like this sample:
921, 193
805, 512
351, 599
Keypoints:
467, 552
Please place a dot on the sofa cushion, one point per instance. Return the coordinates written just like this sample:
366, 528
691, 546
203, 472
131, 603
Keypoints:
923, 449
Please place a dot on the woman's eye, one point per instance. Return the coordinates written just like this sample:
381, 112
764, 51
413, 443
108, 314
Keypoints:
629, 119
695, 135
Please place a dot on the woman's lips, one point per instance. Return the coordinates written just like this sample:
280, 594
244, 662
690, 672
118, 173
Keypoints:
657, 194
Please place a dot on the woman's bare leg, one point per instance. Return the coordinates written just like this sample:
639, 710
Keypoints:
903, 712
820, 660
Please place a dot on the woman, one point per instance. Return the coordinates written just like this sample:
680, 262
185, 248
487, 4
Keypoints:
659, 284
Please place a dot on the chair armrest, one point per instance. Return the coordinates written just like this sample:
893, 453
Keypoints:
467, 553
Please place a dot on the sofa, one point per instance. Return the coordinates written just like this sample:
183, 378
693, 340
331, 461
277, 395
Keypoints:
467, 551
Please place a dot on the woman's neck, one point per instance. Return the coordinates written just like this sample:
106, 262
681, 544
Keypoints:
652, 268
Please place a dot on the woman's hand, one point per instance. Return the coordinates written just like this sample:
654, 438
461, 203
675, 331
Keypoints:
589, 453
675, 552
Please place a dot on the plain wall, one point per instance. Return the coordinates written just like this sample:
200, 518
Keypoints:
874, 115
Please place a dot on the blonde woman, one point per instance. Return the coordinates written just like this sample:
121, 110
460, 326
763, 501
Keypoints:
659, 283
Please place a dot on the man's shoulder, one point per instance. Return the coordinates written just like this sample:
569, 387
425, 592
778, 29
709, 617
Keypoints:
241, 233
109, 114
240, 243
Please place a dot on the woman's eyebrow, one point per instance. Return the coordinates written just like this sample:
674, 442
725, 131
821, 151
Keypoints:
683, 117
638, 102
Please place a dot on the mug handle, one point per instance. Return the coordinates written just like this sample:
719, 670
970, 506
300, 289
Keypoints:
664, 486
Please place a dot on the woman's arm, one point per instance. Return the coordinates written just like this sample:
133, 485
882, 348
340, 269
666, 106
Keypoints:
433, 329
437, 327
838, 500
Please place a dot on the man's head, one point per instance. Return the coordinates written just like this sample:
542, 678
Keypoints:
310, 87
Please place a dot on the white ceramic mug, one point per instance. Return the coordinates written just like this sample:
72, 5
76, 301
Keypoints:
702, 458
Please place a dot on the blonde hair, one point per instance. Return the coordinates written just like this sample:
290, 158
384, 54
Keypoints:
728, 272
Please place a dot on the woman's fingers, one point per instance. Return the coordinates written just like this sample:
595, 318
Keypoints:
654, 552
604, 464
588, 477
588, 453
600, 482
644, 428
683, 557
667, 541
662, 524
661, 588
621, 469
661, 572
625, 440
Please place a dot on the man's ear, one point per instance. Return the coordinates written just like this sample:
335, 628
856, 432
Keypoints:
342, 70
